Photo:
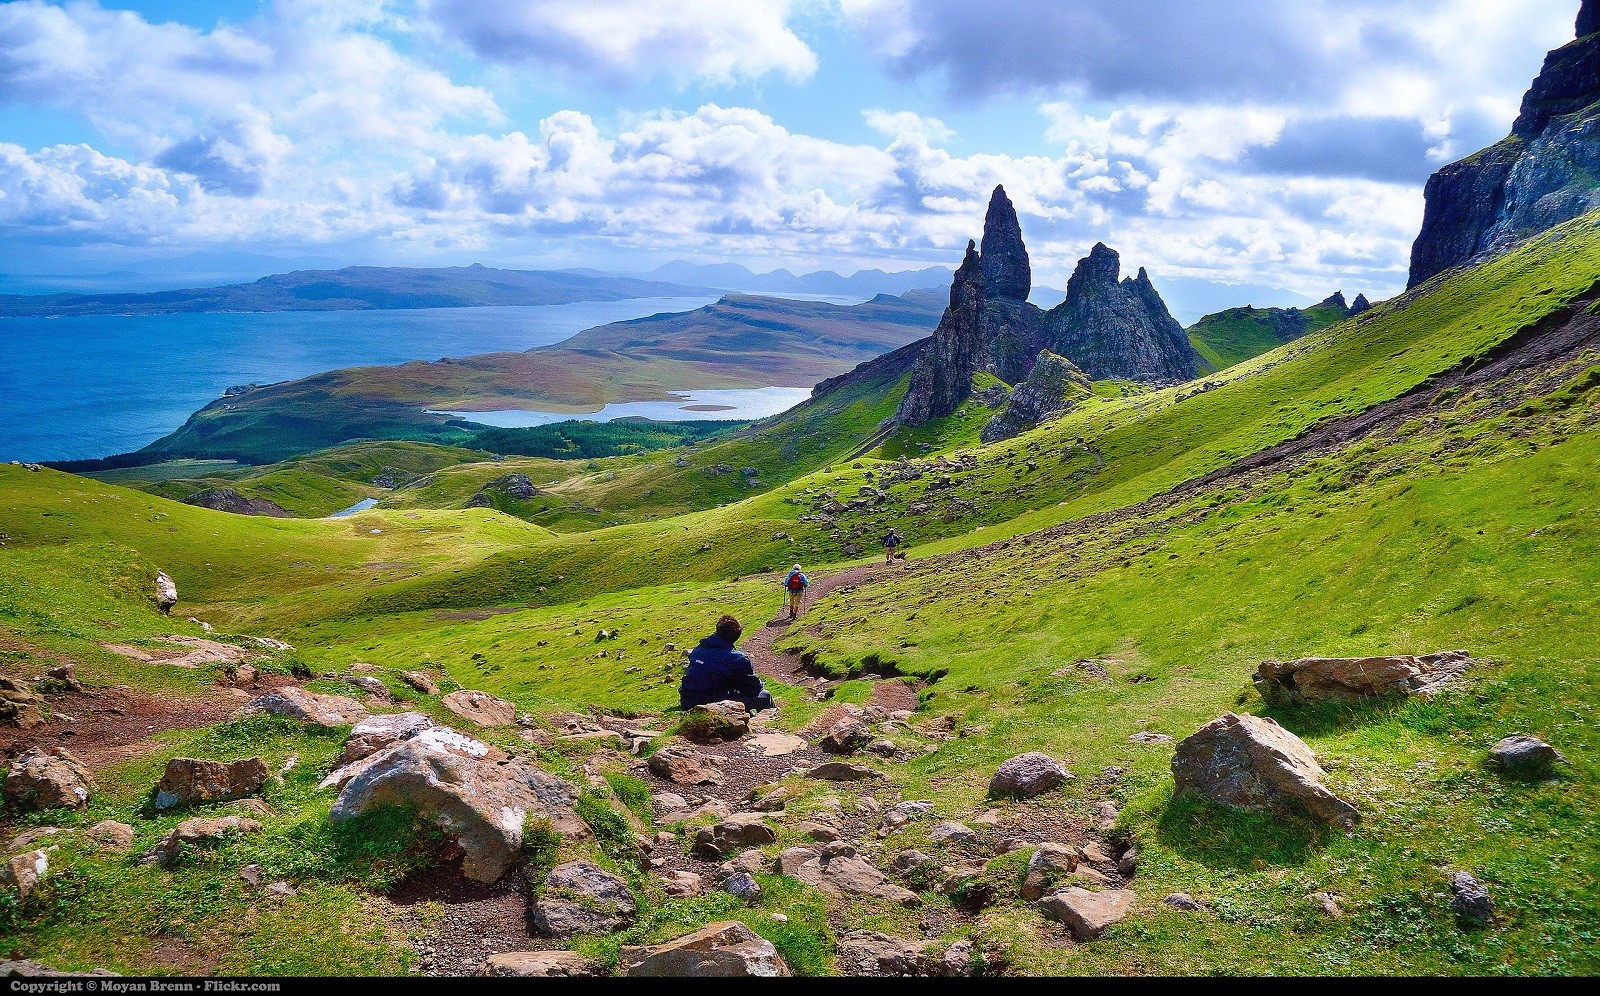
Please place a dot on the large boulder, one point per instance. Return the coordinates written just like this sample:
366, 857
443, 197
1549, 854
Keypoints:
1525, 755
189, 780
480, 707
22, 873
846, 736
1249, 762
735, 833
47, 778
199, 831
869, 953
716, 950
715, 722
18, 705
480, 797
539, 965
845, 874
330, 711
1088, 914
166, 593
1028, 775
581, 898
377, 732
682, 766
1050, 863
1350, 679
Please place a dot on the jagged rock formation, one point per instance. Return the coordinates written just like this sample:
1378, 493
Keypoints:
229, 500
1541, 175
1013, 328
1118, 329
1360, 304
1006, 273
942, 378
1054, 387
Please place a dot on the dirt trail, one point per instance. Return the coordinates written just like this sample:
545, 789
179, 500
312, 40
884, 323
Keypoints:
758, 644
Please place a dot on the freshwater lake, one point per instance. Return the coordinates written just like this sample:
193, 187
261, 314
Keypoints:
690, 406
79, 388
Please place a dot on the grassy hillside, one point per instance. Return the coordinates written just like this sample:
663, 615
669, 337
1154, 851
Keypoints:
1239, 334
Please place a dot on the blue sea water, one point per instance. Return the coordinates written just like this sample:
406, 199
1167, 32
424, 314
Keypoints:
78, 388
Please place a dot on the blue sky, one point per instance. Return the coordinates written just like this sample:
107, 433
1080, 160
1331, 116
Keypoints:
1276, 146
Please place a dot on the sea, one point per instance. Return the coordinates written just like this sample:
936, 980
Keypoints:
81, 388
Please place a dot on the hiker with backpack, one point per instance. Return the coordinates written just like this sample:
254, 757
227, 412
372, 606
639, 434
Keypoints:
717, 672
796, 584
891, 545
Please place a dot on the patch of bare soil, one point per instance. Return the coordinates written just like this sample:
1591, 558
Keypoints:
475, 920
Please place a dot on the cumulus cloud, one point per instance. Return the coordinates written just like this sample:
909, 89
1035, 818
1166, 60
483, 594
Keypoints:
716, 41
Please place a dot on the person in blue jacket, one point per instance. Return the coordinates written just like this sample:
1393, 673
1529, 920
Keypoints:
717, 672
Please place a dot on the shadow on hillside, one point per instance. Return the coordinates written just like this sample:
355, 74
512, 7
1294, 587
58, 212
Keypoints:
1226, 838
1317, 719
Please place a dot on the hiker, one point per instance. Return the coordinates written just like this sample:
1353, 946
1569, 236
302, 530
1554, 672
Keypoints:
891, 545
796, 584
717, 672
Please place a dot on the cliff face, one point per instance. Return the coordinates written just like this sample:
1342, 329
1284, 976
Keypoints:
1053, 387
942, 377
1115, 328
1543, 174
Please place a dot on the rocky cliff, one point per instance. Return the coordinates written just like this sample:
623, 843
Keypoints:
1545, 172
1118, 328
942, 377
1054, 387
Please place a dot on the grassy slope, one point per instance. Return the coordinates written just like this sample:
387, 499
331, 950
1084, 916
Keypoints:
1239, 334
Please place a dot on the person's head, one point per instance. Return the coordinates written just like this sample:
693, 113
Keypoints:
729, 629
795, 568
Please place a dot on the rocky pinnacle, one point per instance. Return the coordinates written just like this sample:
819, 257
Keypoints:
1006, 273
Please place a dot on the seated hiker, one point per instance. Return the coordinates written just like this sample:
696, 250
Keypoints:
891, 545
796, 584
718, 672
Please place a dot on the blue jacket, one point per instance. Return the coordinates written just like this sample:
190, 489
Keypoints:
805, 582
717, 671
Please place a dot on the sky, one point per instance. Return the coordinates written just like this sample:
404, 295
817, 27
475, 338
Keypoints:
1267, 146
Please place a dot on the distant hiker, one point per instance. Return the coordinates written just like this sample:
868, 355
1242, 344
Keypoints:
718, 672
796, 584
891, 545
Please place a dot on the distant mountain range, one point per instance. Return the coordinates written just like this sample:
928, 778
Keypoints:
733, 277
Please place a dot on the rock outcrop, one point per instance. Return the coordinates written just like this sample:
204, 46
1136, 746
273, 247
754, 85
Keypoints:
22, 873
516, 487
717, 950
1544, 173
1350, 679
47, 778
1249, 762
1118, 328
229, 500
19, 706
189, 780
1054, 387
480, 707
942, 377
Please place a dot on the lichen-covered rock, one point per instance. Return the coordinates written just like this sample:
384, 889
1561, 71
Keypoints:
716, 950
22, 873
715, 722
166, 593
1249, 762
296, 703
1115, 329
1028, 775
1525, 755
1350, 679
1088, 914
1470, 901
743, 885
580, 898
47, 778
189, 780
377, 732
480, 707
1054, 387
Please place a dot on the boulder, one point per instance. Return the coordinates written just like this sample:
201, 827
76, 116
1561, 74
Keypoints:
480, 707
1351, 679
539, 965
47, 778
743, 885
1028, 775
791, 858
197, 831
735, 833
377, 732
189, 780
682, 766
1525, 755
1050, 863
682, 884
869, 953
166, 593
953, 833
715, 722
18, 705
296, 703
840, 874
423, 683
372, 686
716, 950
437, 736
110, 835
479, 797
1088, 914
846, 736
1470, 901
581, 898
1249, 762
843, 771
22, 873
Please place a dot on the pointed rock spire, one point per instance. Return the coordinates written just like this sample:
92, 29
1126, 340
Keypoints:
1118, 329
1360, 304
1006, 273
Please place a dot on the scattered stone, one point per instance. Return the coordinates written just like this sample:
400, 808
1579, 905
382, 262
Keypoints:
1128, 863
372, 686
682, 766
166, 593
843, 771
190, 780
280, 890
953, 833
24, 841
1146, 737
480, 707
1328, 903
869, 953
846, 737
841, 873
47, 778
902, 813
791, 858
768, 799
1470, 901
377, 732
1107, 811
1088, 914
111, 835
240, 674
682, 884
65, 676
749, 861
24, 872
1350, 679
18, 705
909, 863
736, 832
1249, 762
478, 795
1525, 755
668, 802
1183, 901
715, 722
1028, 775
1051, 862
296, 703
580, 898
822, 833
744, 886
196, 831
957, 959
539, 965
421, 681
772, 743
716, 950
